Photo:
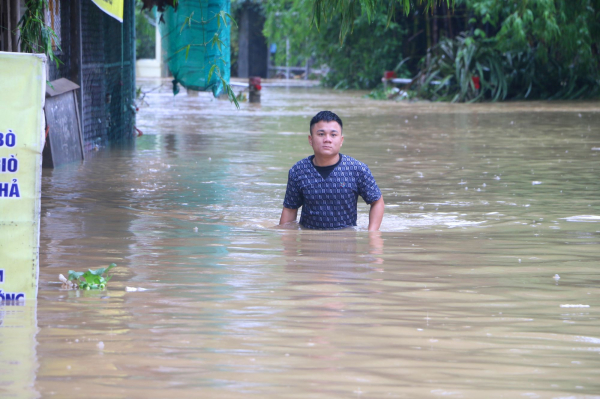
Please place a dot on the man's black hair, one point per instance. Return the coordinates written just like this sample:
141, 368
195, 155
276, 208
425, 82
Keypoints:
325, 116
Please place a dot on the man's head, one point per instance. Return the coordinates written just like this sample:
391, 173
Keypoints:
325, 116
326, 135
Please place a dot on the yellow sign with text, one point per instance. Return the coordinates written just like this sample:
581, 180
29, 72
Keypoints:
22, 95
114, 8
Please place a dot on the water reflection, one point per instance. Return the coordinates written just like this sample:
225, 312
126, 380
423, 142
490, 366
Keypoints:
18, 357
330, 251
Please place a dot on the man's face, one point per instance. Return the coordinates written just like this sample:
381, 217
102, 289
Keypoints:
326, 138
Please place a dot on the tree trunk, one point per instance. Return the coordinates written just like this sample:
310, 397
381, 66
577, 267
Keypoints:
14, 13
435, 25
428, 30
413, 44
449, 19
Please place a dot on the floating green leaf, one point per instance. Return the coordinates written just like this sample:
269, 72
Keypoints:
92, 279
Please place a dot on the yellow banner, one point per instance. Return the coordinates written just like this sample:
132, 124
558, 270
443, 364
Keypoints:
114, 8
22, 95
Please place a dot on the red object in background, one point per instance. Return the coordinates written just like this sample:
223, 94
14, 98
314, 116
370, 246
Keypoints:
389, 75
476, 82
255, 82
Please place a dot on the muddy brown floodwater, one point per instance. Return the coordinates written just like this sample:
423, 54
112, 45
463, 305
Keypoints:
456, 297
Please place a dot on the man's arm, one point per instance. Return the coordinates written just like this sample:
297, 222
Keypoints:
289, 215
375, 214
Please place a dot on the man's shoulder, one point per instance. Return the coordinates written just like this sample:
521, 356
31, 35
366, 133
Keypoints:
302, 165
353, 164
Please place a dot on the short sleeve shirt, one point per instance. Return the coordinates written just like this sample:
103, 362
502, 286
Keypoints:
330, 203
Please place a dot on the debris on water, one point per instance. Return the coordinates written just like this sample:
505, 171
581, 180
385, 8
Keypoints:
195, 229
100, 345
496, 177
512, 122
406, 121
519, 260
535, 182
134, 289
556, 277
574, 306
66, 284
579, 115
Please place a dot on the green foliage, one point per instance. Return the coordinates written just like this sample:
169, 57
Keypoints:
564, 29
34, 35
91, 279
374, 46
145, 32
449, 74
541, 49
290, 19
349, 11
365, 55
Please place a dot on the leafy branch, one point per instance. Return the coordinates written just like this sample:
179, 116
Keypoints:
35, 36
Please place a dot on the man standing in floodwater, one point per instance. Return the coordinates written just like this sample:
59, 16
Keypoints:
327, 184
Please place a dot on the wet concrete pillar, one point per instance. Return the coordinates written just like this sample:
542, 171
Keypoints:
253, 54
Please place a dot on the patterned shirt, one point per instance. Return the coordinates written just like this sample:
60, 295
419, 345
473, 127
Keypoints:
329, 203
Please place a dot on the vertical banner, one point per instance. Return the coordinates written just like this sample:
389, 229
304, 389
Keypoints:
114, 8
22, 95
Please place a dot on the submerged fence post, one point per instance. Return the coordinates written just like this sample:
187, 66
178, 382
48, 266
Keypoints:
287, 58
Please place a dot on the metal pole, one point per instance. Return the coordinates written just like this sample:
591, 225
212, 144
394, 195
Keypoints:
306, 70
287, 58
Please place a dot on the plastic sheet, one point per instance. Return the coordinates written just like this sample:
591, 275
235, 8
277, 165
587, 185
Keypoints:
195, 39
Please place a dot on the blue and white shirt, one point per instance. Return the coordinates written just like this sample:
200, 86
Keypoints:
329, 203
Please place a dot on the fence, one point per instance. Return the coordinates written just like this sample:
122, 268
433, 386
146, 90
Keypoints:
98, 53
